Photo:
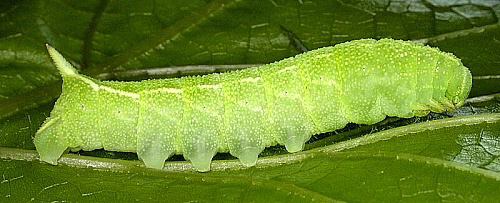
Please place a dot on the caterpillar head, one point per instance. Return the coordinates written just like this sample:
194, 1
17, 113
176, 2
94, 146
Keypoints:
458, 89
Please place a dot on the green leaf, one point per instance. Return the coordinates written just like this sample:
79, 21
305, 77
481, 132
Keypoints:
455, 159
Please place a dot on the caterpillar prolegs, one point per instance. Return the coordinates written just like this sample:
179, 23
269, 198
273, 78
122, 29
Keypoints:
242, 112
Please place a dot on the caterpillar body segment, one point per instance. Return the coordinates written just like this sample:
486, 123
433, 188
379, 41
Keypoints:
242, 112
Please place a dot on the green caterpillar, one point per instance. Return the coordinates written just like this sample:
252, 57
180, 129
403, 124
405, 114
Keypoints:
242, 112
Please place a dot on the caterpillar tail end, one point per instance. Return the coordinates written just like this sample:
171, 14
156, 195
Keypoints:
49, 142
64, 67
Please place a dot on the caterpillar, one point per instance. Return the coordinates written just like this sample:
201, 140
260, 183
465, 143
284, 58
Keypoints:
242, 112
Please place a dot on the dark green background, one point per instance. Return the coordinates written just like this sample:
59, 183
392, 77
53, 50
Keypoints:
450, 160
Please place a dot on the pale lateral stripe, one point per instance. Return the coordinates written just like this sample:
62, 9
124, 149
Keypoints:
168, 90
120, 92
210, 86
287, 69
92, 84
322, 56
250, 79
48, 124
